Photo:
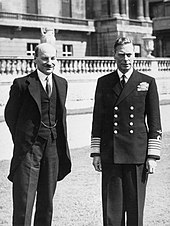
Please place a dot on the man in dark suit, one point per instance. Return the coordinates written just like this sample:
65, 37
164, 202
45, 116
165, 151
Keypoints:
36, 116
126, 133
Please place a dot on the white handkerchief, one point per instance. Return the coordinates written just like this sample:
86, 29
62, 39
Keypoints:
143, 86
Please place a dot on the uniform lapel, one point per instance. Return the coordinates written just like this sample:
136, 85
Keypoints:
130, 86
34, 88
116, 84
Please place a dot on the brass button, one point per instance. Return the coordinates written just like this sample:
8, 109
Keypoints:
116, 108
131, 123
115, 116
115, 124
115, 131
132, 107
131, 115
131, 131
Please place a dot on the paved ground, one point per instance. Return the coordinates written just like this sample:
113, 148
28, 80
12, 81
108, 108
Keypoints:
79, 129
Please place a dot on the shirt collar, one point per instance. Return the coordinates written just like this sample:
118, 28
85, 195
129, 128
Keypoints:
43, 76
127, 74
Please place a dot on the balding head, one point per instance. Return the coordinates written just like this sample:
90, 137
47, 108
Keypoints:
43, 47
45, 58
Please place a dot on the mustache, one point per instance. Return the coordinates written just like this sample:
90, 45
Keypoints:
49, 65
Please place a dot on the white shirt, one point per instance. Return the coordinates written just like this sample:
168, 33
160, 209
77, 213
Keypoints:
127, 74
42, 78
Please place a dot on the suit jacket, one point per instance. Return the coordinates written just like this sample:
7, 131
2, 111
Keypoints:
23, 117
126, 120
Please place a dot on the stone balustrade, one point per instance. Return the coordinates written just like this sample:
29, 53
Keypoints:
82, 73
87, 65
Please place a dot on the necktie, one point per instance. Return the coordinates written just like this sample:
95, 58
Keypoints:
48, 87
123, 81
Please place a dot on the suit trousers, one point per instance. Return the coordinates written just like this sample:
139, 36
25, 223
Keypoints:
123, 191
36, 177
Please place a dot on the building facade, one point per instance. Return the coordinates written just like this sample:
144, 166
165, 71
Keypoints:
80, 27
160, 15
22, 23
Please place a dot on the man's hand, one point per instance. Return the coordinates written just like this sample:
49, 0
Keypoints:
97, 163
151, 165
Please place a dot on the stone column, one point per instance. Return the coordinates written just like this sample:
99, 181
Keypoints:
147, 10
140, 10
127, 8
97, 6
123, 8
115, 8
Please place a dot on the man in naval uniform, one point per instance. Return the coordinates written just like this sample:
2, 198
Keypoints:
126, 134
36, 116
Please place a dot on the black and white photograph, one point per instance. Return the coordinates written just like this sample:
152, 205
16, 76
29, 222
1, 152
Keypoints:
84, 113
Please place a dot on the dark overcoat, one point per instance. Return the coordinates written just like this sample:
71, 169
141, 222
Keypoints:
23, 117
126, 119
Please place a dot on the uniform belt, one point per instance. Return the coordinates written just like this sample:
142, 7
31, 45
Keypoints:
49, 127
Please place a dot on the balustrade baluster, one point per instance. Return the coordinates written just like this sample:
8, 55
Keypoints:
8, 67
67, 66
33, 65
143, 65
98, 66
102, 66
79, 66
82, 66
71, 69
28, 67
3, 67
23, 67
94, 67
113, 65
62, 68
90, 66
13, 68
73, 65
76, 67
159, 66
109, 66
18, 67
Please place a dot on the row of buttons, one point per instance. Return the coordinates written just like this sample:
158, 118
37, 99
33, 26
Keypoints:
130, 123
131, 131
131, 108
131, 116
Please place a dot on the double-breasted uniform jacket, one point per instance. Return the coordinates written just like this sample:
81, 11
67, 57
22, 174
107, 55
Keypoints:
23, 117
126, 122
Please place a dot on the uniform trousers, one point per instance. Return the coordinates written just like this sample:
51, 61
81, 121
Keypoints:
123, 190
36, 177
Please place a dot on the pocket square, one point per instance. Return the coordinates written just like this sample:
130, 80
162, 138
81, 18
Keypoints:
143, 86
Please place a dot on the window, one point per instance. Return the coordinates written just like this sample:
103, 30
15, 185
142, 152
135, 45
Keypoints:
67, 50
30, 48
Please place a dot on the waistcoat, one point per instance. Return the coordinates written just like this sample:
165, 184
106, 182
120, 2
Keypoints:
48, 113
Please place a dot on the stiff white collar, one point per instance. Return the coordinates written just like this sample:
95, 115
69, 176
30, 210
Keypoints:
42, 78
127, 74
